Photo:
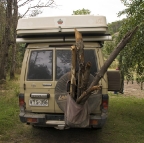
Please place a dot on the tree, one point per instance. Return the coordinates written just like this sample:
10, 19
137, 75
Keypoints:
113, 29
6, 40
2, 25
109, 46
34, 7
81, 12
114, 26
131, 59
14, 26
9, 13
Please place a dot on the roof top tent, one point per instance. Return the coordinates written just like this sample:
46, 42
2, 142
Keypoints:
61, 29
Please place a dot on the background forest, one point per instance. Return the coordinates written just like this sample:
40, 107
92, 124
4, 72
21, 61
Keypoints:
11, 54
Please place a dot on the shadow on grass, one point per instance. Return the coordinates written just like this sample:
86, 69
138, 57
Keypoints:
73, 135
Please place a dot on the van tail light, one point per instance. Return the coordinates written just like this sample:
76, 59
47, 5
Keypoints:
32, 120
93, 122
105, 101
21, 100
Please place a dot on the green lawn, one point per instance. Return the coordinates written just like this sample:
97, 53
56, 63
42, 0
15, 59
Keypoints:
125, 122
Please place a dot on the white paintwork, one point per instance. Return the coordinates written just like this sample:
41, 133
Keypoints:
55, 122
68, 21
43, 25
72, 39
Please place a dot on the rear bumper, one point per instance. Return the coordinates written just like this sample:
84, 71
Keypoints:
55, 120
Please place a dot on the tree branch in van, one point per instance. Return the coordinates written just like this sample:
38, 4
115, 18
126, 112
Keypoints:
80, 59
85, 95
85, 77
73, 72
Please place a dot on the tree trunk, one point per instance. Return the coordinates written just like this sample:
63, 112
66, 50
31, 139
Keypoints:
2, 26
15, 20
86, 75
122, 74
80, 59
85, 95
141, 83
6, 41
73, 72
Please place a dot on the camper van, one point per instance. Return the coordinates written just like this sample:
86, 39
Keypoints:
47, 63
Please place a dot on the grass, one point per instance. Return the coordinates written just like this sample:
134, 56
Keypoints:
126, 119
125, 122
8, 108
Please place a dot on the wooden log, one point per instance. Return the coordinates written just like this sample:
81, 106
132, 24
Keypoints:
80, 59
85, 95
73, 72
85, 77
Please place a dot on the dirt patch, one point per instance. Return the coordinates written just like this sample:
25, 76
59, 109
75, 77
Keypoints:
133, 90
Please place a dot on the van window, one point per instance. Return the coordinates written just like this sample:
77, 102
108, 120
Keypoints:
40, 65
63, 61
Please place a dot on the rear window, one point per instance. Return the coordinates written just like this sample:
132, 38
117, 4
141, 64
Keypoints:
63, 61
40, 65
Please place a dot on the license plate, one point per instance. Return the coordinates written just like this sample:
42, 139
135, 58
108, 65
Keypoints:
38, 102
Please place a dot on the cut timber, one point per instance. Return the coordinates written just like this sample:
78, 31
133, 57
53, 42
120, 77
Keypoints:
86, 75
80, 59
85, 95
73, 72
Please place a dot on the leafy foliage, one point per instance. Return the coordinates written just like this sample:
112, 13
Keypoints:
113, 29
132, 57
115, 26
81, 12
109, 46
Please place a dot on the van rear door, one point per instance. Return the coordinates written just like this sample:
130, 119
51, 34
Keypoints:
63, 65
39, 84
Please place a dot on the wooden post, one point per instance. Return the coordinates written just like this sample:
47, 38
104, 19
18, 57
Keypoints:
73, 72
80, 59
85, 77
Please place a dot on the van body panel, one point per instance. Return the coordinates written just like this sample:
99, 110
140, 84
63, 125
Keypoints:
39, 89
103, 81
23, 71
62, 45
35, 86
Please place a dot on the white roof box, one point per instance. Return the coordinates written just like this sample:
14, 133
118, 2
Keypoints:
63, 24
61, 29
